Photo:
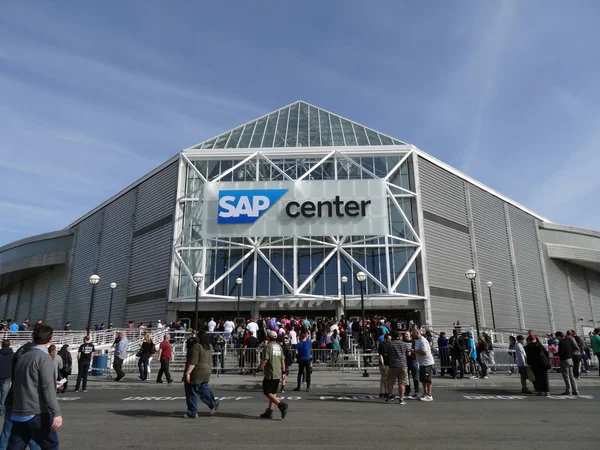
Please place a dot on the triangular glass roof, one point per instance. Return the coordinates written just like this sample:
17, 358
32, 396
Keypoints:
298, 125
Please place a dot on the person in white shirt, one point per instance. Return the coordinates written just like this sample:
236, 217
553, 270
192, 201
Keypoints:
521, 360
159, 325
211, 325
293, 338
228, 329
252, 327
425, 359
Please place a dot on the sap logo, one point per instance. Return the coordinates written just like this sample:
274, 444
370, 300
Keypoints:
246, 206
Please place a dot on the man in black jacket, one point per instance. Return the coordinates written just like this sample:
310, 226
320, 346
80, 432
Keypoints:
6, 365
566, 348
457, 351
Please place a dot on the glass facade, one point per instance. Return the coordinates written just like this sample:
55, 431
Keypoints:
301, 266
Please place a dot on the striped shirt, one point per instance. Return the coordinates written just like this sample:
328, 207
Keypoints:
396, 351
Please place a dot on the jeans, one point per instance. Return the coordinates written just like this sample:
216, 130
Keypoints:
143, 366
83, 366
576, 364
566, 368
481, 359
7, 431
164, 369
118, 366
458, 367
193, 392
304, 367
4, 388
413, 370
598, 356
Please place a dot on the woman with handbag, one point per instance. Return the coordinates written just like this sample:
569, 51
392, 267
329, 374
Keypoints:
143, 354
538, 360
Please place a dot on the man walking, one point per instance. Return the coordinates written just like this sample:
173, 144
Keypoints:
521, 361
197, 376
457, 351
304, 359
397, 351
595, 340
426, 362
165, 356
272, 360
6, 366
84, 359
35, 411
566, 348
120, 355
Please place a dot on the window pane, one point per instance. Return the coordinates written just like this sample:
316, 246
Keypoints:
325, 129
246, 135
258, 132
348, 132
336, 128
373, 137
361, 136
281, 127
269, 130
290, 139
303, 126
235, 137
315, 140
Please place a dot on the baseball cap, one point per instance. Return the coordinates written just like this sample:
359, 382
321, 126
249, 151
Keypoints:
272, 334
469, 332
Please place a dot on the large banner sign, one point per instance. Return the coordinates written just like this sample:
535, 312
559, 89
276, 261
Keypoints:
295, 208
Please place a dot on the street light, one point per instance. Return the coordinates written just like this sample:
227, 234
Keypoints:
344, 281
94, 280
238, 281
113, 286
361, 277
471, 275
489, 284
198, 277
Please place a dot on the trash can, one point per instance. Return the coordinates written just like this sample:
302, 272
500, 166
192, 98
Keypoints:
100, 365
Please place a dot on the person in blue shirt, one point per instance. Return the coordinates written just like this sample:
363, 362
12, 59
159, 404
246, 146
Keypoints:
13, 328
472, 352
304, 359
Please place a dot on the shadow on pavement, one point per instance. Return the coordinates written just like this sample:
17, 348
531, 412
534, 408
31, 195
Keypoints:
490, 391
143, 413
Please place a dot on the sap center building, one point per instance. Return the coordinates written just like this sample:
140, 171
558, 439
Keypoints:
292, 203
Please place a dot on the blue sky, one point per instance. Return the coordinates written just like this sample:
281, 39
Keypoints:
94, 98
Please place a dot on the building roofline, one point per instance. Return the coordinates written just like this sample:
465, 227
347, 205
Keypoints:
570, 229
474, 182
124, 191
36, 238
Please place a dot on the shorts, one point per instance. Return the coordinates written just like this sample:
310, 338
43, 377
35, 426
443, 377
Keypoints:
523, 372
384, 373
270, 386
425, 374
401, 375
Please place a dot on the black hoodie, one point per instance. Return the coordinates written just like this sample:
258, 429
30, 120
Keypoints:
6, 363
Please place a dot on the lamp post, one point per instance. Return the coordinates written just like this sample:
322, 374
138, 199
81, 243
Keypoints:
94, 280
238, 281
198, 277
489, 284
344, 281
113, 286
361, 277
471, 275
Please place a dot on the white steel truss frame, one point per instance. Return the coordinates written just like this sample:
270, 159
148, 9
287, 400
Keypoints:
257, 248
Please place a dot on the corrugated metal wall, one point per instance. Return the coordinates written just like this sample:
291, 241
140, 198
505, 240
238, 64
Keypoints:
594, 283
113, 265
448, 247
3, 303
559, 292
581, 298
156, 197
84, 264
24, 304
57, 297
493, 257
147, 311
13, 298
40, 295
529, 267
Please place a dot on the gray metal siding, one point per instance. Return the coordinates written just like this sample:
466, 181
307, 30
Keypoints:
57, 296
113, 264
24, 303
84, 265
529, 267
3, 303
147, 311
151, 261
493, 257
13, 298
581, 298
40, 294
559, 293
594, 283
156, 196
442, 193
